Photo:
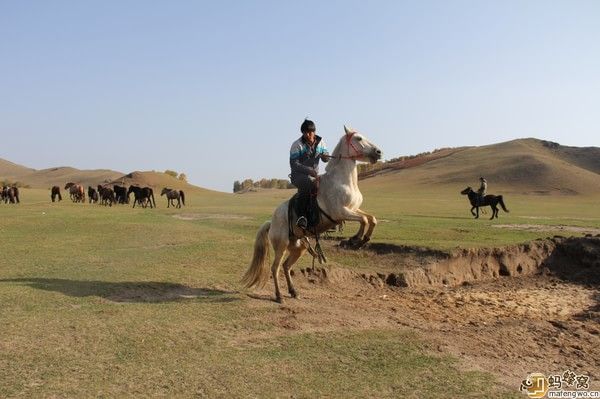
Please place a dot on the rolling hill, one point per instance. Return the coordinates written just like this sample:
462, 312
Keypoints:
59, 176
525, 166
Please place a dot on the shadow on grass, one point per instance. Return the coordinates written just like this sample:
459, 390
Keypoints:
126, 291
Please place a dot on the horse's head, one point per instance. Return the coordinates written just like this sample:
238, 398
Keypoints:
355, 146
132, 189
69, 185
466, 191
164, 191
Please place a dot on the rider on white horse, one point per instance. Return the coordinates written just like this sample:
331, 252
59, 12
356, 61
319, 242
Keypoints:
305, 154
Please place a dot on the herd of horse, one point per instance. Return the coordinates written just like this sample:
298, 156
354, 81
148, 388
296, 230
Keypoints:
105, 195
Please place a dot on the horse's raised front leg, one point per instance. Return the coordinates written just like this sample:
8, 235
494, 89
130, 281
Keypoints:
348, 215
295, 254
372, 222
472, 211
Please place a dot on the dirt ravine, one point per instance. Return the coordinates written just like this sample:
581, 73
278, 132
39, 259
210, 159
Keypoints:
510, 311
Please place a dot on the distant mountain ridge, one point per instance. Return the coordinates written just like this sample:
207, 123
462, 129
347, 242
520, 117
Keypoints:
528, 165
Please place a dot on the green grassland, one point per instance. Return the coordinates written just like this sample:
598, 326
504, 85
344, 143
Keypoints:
119, 302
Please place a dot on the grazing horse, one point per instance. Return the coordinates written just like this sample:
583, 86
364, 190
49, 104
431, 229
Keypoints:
173, 195
107, 195
121, 194
339, 199
92, 195
76, 192
142, 196
55, 193
489, 200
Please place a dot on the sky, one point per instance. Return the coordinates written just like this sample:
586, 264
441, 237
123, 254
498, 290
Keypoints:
218, 89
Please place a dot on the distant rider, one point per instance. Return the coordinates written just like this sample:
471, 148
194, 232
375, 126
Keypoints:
482, 190
305, 154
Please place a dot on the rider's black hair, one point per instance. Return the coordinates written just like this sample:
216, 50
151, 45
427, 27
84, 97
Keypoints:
307, 126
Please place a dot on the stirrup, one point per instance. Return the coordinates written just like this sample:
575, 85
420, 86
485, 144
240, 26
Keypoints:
302, 222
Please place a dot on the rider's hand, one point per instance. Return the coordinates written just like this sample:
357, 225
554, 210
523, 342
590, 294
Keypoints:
313, 173
325, 157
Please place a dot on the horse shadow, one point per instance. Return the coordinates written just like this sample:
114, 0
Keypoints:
128, 291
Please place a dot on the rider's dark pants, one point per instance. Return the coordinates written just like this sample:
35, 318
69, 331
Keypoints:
306, 196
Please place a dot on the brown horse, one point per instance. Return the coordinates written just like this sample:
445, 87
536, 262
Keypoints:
489, 200
55, 193
173, 195
76, 192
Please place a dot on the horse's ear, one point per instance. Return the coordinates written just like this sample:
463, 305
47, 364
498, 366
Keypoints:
348, 130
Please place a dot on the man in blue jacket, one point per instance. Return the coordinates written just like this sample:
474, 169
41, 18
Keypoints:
305, 154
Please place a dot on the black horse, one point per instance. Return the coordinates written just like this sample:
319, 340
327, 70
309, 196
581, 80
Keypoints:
489, 200
173, 195
142, 196
121, 194
92, 195
107, 195
55, 193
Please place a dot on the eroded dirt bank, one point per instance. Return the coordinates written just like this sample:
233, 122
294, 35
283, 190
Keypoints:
510, 311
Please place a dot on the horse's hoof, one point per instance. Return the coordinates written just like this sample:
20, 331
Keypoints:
294, 294
279, 300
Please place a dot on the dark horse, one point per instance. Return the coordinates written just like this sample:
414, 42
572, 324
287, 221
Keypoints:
107, 195
488, 200
55, 193
92, 195
142, 196
121, 194
173, 195
10, 194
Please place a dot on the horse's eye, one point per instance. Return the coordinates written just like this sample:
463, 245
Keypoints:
359, 138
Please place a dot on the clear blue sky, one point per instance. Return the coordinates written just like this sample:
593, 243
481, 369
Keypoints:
218, 89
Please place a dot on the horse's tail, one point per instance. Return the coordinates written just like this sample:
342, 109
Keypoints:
501, 202
182, 195
258, 272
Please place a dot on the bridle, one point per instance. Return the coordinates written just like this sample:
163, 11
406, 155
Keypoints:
358, 153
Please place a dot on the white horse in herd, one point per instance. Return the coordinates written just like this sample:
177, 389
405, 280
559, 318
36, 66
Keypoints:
339, 199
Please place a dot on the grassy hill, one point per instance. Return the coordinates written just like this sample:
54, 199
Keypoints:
59, 176
525, 166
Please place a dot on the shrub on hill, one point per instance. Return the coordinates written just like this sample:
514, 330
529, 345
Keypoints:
248, 184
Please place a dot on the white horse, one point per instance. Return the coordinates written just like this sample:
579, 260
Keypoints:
340, 200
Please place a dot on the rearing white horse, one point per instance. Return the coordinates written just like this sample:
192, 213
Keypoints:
338, 197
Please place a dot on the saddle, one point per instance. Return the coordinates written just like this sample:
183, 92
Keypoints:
310, 210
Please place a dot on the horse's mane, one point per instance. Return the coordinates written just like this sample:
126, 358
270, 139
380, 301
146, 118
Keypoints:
336, 153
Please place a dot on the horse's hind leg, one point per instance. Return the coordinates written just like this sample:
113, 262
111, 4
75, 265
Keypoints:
279, 253
295, 254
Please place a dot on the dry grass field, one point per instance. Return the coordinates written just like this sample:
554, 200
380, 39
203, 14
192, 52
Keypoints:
119, 302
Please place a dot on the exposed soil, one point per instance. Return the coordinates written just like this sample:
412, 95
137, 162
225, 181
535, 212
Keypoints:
509, 311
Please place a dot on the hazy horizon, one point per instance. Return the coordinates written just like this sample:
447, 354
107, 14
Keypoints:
218, 91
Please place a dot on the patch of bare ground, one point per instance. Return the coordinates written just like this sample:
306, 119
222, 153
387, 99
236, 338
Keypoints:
543, 317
